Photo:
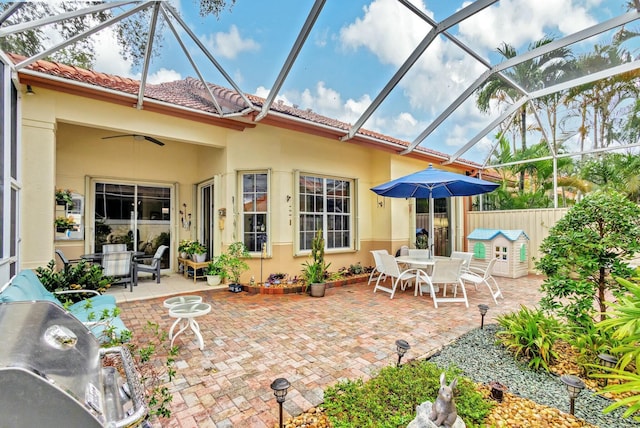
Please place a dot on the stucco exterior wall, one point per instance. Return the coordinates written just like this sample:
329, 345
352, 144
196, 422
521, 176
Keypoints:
63, 139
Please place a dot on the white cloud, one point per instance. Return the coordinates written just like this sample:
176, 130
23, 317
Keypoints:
229, 45
391, 32
163, 75
109, 60
522, 22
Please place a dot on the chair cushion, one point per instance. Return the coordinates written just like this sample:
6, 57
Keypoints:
26, 286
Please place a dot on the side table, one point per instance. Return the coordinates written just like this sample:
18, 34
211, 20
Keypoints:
195, 266
187, 313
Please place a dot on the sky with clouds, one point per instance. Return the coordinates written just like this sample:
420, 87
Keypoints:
354, 49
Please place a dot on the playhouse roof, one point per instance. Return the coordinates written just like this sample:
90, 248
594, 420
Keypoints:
489, 234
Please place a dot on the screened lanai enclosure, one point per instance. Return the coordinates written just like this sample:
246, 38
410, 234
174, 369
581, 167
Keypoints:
508, 90
475, 80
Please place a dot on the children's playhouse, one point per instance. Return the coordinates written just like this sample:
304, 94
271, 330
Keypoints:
510, 247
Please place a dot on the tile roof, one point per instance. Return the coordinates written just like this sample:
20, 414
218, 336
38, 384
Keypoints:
191, 93
489, 234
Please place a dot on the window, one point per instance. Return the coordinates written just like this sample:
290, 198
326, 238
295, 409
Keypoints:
501, 252
255, 203
325, 203
122, 208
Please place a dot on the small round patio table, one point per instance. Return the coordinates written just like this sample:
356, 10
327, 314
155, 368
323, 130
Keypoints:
186, 313
178, 300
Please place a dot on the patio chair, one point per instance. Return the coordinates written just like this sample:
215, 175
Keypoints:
378, 269
477, 276
466, 257
445, 272
110, 248
118, 266
65, 261
404, 278
154, 266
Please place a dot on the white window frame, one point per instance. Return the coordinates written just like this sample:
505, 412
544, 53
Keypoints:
353, 215
11, 185
241, 213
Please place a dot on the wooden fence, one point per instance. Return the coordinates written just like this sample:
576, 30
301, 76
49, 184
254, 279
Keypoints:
535, 223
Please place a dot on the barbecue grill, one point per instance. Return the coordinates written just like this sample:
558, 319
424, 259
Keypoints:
53, 372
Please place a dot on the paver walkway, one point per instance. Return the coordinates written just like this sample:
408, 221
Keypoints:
250, 340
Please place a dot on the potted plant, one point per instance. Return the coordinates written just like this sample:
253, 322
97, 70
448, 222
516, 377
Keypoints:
234, 263
216, 271
184, 248
198, 252
63, 197
314, 271
64, 223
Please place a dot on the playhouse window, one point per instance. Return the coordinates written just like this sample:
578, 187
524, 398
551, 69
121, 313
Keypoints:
501, 253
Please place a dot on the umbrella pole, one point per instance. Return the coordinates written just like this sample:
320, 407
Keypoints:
431, 246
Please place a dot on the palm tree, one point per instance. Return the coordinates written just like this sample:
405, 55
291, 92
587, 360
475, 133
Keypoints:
533, 74
603, 106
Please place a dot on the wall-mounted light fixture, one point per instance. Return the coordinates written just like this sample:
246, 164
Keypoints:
30, 90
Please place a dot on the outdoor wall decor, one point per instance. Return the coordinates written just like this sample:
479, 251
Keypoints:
185, 217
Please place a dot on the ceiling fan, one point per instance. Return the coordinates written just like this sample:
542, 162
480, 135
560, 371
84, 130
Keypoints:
138, 137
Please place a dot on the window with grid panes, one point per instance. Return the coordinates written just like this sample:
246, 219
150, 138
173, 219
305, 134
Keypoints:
325, 203
255, 198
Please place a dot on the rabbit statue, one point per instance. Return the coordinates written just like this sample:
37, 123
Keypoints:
443, 412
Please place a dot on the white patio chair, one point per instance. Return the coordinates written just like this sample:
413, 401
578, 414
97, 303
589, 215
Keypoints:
478, 276
466, 257
378, 269
445, 271
118, 266
404, 278
418, 253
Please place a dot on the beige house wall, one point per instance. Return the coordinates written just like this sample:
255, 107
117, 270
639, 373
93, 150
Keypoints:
535, 223
63, 143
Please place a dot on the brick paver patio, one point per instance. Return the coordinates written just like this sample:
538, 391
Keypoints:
250, 340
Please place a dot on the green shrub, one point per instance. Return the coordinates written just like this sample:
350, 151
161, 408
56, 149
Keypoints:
584, 251
390, 398
81, 275
590, 341
530, 334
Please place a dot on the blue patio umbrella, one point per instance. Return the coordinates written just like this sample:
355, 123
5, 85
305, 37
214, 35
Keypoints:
433, 183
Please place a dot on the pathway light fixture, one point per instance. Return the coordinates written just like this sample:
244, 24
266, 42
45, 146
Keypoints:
402, 346
574, 386
608, 361
280, 387
483, 311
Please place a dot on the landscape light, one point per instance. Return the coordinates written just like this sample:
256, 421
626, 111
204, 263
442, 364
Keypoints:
574, 386
608, 361
280, 387
402, 346
483, 311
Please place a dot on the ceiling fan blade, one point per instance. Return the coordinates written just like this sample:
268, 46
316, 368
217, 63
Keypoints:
153, 140
137, 137
118, 136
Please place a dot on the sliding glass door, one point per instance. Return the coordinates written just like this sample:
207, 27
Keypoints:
133, 214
